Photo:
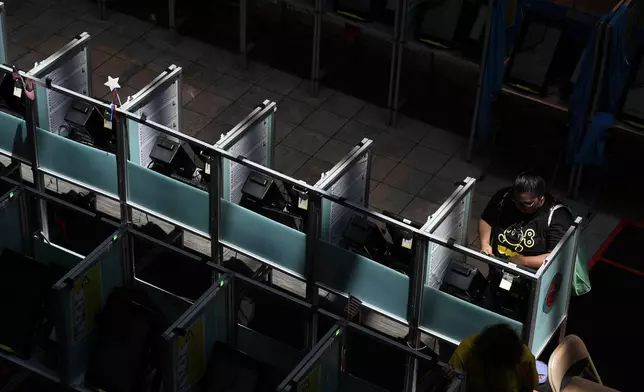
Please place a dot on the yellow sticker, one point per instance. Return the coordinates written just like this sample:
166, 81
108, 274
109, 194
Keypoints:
350, 15
190, 357
633, 123
434, 43
303, 204
86, 302
311, 383
524, 88
6, 349
407, 243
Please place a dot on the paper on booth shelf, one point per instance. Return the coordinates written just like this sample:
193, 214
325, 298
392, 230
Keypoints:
252, 146
71, 75
162, 110
352, 186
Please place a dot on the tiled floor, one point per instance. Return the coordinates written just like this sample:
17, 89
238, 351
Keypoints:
415, 164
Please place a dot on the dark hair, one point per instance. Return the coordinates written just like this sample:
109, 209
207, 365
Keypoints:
499, 349
499, 345
531, 183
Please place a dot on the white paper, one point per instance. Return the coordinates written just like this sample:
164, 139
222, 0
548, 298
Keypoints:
252, 146
71, 75
451, 227
352, 186
164, 110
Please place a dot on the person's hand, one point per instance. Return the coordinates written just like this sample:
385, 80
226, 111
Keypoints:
487, 250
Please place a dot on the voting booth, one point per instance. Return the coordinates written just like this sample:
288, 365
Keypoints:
253, 138
349, 179
453, 319
69, 67
396, 278
159, 101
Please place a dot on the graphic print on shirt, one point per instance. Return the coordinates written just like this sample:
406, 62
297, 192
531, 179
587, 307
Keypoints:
515, 239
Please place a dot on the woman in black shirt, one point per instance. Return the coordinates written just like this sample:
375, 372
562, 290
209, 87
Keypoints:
523, 223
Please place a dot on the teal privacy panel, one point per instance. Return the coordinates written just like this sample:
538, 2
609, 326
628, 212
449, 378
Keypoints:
322, 373
48, 254
445, 315
4, 45
267, 350
170, 305
13, 136
10, 227
554, 292
371, 282
262, 237
77, 161
168, 198
81, 295
191, 339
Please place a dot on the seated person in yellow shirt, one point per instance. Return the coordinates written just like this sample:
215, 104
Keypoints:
496, 361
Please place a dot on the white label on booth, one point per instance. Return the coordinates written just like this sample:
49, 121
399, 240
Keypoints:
164, 110
71, 75
252, 146
352, 186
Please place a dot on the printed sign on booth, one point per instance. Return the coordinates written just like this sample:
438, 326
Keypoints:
190, 358
86, 302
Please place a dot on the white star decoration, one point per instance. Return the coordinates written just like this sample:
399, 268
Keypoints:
112, 83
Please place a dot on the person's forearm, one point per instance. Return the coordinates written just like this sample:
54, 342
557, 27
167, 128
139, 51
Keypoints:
530, 261
485, 231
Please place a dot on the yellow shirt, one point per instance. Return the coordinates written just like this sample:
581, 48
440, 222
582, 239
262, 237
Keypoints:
523, 378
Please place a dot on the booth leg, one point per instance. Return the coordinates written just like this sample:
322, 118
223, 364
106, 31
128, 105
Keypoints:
315, 61
312, 291
102, 9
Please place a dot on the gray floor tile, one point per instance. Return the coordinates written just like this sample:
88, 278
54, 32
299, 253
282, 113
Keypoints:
229, 87
305, 140
386, 198
162, 39
343, 105
333, 151
302, 93
212, 132
392, 147
98, 89
256, 95
458, 169
52, 44
444, 141
312, 170
294, 111
142, 78
324, 122
110, 43
191, 49
188, 93
491, 184
93, 17
117, 68
217, 59
438, 190
162, 62
193, 122
252, 74
209, 105
279, 82
601, 225
15, 51
30, 36
409, 129
98, 58
52, 20
200, 76
381, 167
130, 26
139, 53
353, 132
27, 61
373, 184
407, 179
79, 26
427, 160
288, 160
419, 210
373, 116
282, 130
234, 114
